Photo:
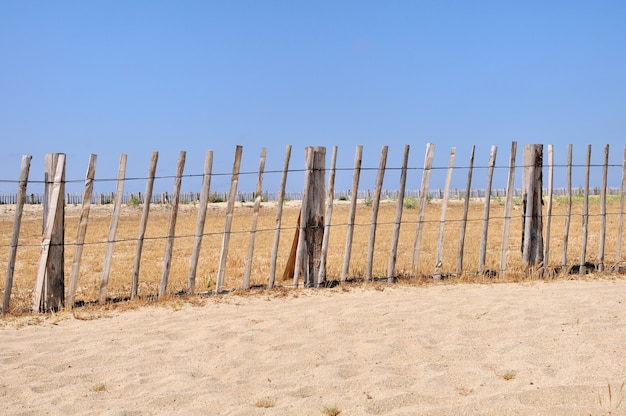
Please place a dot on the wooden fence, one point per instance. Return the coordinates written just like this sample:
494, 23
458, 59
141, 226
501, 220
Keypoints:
50, 290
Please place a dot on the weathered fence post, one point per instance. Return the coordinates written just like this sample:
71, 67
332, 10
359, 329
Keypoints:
82, 230
358, 158
546, 251
620, 227
115, 217
393, 252
228, 222
507, 209
585, 231
568, 211
279, 217
258, 195
483, 241
442, 218
171, 230
468, 194
19, 208
428, 164
143, 223
375, 204
321, 277
605, 168
532, 183
197, 241
50, 284
311, 222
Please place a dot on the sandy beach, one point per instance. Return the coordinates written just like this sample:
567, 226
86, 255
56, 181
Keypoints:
449, 349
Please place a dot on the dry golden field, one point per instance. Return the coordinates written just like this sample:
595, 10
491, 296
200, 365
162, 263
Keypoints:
154, 245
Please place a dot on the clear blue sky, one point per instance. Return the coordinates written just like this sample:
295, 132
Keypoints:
112, 77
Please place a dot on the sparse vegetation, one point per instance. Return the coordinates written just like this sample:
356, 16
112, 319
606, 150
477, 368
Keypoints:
410, 202
614, 400
265, 403
331, 411
100, 387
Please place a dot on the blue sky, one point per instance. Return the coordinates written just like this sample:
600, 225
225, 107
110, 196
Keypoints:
112, 77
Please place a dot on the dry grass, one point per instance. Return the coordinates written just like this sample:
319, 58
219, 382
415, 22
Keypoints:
154, 247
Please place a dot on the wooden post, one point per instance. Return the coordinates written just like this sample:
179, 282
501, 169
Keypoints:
442, 218
230, 207
468, 192
358, 157
546, 255
510, 189
585, 225
620, 227
49, 286
483, 242
375, 204
279, 216
143, 223
54, 287
568, 211
108, 255
197, 241
428, 164
393, 252
312, 218
255, 217
321, 277
605, 168
171, 232
532, 252
82, 231
19, 209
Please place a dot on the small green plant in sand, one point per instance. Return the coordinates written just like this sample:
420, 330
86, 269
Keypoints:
331, 411
615, 399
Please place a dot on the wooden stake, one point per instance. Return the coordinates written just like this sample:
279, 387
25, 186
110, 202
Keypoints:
230, 207
546, 255
330, 196
353, 201
428, 163
532, 253
620, 227
171, 232
468, 192
585, 225
568, 212
42, 299
393, 252
255, 218
510, 189
605, 168
82, 231
442, 218
108, 255
483, 241
279, 216
143, 223
197, 241
19, 209
375, 204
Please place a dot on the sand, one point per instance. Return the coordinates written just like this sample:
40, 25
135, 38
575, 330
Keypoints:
500, 349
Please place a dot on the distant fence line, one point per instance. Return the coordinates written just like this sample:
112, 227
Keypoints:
191, 197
